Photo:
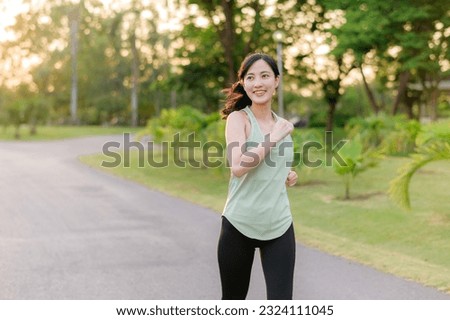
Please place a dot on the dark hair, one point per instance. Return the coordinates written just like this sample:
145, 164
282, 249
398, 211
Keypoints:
236, 98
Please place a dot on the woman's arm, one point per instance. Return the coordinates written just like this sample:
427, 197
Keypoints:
243, 162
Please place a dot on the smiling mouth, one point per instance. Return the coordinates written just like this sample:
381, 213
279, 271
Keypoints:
259, 92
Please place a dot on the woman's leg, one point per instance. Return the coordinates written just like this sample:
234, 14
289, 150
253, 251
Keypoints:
235, 254
278, 260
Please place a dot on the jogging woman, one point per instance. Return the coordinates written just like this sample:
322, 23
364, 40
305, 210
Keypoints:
257, 212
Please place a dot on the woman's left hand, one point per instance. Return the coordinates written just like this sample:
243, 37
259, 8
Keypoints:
292, 178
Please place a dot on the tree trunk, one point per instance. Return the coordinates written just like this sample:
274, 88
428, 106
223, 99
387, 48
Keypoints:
332, 96
17, 132
370, 95
33, 128
409, 104
403, 82
434, 96
74, 17
330, 115
430, 84
158, 104
173, 99
134, 81
347, 186
228, 39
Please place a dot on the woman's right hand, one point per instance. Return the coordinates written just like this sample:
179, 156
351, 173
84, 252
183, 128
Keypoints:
280, 130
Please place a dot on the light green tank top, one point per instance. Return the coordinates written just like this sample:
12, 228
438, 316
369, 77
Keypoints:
257, 204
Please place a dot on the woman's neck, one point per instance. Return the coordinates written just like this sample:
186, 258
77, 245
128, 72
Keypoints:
263, 112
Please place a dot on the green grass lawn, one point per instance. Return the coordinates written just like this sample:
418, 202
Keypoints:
369, 228
61, 132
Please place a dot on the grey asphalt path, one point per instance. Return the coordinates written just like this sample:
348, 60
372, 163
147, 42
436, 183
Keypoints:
68, 231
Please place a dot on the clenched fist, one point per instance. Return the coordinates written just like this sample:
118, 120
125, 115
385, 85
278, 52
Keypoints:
291, 178
280, 130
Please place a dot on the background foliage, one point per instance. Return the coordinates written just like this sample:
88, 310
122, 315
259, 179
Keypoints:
341, 58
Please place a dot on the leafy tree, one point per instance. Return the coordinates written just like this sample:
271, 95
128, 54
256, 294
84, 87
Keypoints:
315, 59
407, 36
216, 39
133, 31
113, 58
16, 116
238, 26
37, 112
5, 100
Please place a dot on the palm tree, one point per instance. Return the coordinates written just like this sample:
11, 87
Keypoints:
434, 150
357, 159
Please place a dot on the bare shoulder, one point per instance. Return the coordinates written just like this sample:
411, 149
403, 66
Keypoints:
237, 116
238, 123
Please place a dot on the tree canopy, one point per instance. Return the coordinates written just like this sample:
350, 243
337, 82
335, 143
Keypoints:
136, 58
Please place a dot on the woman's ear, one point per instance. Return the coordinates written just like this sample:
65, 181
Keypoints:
277, 81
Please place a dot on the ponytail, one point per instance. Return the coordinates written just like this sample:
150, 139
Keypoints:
236, 99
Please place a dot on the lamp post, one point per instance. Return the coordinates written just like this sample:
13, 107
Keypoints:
278, 37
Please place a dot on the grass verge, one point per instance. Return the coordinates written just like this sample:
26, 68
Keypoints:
60, 132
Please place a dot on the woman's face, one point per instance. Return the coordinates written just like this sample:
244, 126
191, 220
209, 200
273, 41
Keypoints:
260, 83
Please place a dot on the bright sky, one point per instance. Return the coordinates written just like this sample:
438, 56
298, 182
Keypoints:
8, 9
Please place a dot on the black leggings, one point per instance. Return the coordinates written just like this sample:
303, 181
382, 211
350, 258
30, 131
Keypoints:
235, 253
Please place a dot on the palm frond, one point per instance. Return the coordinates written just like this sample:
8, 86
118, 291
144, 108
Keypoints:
399, 186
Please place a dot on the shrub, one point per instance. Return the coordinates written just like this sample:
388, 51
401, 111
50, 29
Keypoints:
395, 135
184, 120
439, 130
401, 140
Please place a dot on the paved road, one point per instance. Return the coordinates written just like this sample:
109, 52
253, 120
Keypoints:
68, 231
